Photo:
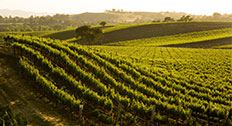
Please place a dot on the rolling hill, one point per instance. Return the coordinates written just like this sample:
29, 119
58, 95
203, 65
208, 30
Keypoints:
162, 29
192, 37
221, 42
139, 77
170, 85
152, 33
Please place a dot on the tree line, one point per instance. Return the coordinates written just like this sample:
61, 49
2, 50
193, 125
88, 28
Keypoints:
36, 23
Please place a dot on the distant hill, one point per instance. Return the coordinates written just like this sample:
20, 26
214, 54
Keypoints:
141, 17
123, 17
116, 17
20, 13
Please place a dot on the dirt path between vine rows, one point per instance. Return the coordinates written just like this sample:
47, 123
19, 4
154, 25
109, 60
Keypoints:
22, 98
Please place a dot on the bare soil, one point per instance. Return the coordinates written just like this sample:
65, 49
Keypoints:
23, 98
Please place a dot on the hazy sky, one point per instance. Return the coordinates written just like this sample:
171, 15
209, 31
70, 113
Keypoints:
203, 7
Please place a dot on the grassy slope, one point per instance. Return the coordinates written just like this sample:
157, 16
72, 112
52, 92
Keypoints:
178, 39
212, 43
70, 34
162, 29
34, 33
62, 35
224, 46
138, 31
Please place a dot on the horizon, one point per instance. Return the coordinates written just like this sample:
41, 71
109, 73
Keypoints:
197, 7
33, 13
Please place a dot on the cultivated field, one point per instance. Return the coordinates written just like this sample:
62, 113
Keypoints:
115, 33
149, 80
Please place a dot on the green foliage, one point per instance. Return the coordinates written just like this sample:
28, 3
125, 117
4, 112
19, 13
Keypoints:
114, 33
178, 38
223, 47
36, 23
62, 35
182, 83
7, 118
168, 19
88, 34
17, 28
103, 23
185, 18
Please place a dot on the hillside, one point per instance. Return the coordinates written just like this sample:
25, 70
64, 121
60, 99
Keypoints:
122, 17
221, 42
173, 86
25, 99
192, 37
62, 35
162, 29
115, 33
119, 17
71, 34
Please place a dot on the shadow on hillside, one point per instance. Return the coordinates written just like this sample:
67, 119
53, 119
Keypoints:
204, 44
154, 30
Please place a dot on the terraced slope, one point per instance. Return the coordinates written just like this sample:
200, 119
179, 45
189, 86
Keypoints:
74, 75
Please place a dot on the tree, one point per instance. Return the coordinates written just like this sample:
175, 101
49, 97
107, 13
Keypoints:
87, 34
167, 19
185, 18
216, 16
113, 10
103, 23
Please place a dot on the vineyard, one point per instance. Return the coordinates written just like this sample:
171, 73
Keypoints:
130, 85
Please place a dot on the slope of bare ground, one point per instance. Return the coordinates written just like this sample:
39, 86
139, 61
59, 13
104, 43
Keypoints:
23, 98
204, 44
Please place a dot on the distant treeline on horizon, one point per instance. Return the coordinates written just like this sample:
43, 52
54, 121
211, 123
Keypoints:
114, 16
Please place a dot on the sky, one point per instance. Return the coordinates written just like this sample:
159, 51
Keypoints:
199, 7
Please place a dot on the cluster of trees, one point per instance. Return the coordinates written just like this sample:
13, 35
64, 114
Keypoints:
16, 28
183, 18
37, 23
89, 35
62, 21
115, 10
215, 17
